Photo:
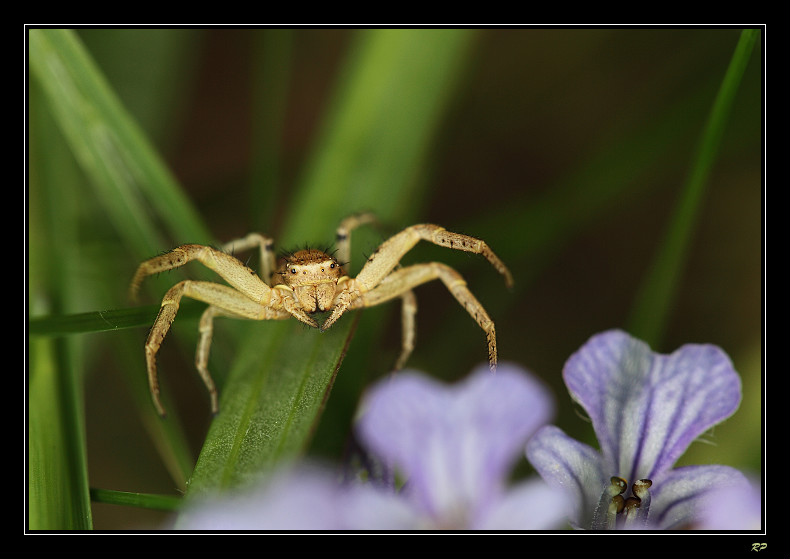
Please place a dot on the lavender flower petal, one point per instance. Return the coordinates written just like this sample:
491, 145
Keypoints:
679, 495
646, 408
305, 498
572, 466
454, 444
530, 505
733, 507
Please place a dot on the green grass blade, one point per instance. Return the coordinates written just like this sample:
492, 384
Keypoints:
283, 372
104, 321
131, 184
57, 456
124, 170
145, 500
57, 462
277, 388
271, 72
654, 301
373, 144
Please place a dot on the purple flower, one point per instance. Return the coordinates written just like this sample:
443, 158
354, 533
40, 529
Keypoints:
304, 497
646, 408
453, 445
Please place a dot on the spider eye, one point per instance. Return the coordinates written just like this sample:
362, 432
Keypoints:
293, 270
332, 266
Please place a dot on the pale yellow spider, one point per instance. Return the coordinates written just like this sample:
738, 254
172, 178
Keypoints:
306, 282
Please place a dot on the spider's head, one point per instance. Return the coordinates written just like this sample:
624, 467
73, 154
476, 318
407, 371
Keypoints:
313, 276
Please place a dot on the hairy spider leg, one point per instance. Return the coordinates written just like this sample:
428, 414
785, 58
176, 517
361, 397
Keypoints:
409, 302
400, 283
343, 235
408, 327
252, 300
206, 330
265, 247
227, 266
389, 254
224, 301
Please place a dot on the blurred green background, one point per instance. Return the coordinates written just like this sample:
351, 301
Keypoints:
565, 149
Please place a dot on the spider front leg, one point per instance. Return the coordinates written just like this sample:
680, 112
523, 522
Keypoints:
225, 301
387, 257
228, 267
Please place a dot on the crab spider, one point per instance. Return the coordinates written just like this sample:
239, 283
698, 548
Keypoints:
306, 282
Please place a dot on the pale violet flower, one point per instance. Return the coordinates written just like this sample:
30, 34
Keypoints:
454, 445
646, 408
302, 497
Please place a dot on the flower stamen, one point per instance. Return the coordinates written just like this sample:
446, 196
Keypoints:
608, 505
641, 491
615, 508
634, 508
631, 511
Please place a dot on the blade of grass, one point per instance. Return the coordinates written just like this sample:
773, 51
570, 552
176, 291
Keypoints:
57, 456
372, 147
654, 301
271, 71
278, 385
153, 92
57, 462
282, 373
105, 321
122, 169
373, 155
145, 500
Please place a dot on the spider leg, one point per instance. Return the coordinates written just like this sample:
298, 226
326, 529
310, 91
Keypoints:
400, 283
228, 267
266, 248
343, 235
206, 329
224, 301
385, 258
390, 252
408, 327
